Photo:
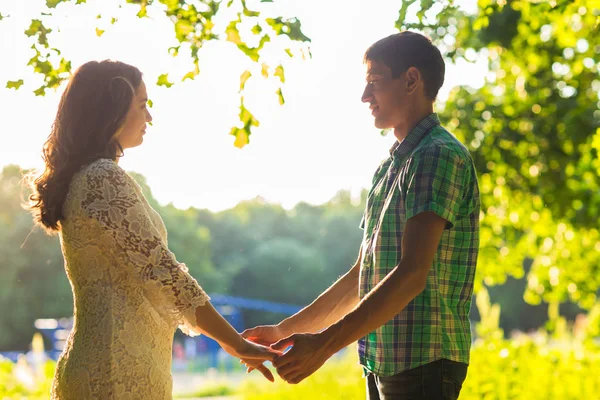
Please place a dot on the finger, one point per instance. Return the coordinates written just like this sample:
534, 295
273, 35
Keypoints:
255, 338
276, 352
298, 378
259, 340
248, 333
288, 372
291, 376
262, 353
266, 373
270, 354
284, 343
286, 361
254, 335
249, 369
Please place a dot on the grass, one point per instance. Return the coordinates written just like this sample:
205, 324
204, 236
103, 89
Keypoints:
209, 391
563, 365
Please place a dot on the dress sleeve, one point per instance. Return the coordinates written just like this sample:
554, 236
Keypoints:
113, 200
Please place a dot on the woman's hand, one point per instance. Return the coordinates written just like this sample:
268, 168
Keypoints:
253, 355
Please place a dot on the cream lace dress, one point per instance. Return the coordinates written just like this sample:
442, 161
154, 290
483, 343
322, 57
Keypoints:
130, 293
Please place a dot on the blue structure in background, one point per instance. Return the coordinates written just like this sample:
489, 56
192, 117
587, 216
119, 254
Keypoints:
57, 330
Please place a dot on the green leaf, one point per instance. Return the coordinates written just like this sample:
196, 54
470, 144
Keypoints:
242, 137
264, 70
280, 96
41, 91
163, 80
244, 78
182, 29
292, 28
402, 13
150, 103
425, 6
256, 29
14, 84
113, 20
246, 116
37, 28
64, 67
280, 73
53, 3
98, 16
190, 75
99, 32
233, 35
289, 53
34, 27
193, 73
143, 12
250, 13
3, 16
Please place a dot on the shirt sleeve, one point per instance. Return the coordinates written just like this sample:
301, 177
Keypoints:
435, 181
374, 180
113, 201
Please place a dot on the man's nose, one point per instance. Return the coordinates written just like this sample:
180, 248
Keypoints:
367, 95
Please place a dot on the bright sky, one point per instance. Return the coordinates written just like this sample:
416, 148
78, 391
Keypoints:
322, 140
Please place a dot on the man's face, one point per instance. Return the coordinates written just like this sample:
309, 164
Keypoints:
387, 97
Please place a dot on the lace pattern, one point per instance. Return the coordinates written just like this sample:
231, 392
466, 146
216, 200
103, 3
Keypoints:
129, 290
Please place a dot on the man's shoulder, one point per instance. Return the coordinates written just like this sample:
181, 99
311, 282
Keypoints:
441, 142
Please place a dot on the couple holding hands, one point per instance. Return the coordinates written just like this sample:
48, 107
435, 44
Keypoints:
406, 300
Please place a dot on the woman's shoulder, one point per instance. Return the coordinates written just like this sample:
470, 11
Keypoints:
104, 171
101, 166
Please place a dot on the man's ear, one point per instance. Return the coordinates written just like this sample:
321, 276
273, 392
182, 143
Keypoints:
413, 79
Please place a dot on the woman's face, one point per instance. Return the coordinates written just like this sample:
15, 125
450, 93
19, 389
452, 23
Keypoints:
134, 127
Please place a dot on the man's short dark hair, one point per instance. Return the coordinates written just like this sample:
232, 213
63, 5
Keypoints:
407, 49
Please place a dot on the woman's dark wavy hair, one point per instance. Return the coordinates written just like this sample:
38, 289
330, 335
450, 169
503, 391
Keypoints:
90, 113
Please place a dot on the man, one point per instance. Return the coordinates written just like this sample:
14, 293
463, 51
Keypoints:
407, 299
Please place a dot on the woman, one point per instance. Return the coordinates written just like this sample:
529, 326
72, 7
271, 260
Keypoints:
130, 293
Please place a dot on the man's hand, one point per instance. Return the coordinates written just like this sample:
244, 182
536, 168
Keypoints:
265, 334
308, 354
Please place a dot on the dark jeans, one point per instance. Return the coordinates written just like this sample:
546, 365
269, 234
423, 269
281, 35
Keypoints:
439, 380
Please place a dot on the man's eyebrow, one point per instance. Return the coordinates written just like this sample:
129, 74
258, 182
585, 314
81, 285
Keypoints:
372, 74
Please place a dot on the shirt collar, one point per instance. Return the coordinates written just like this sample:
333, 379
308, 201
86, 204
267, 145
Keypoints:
401, 149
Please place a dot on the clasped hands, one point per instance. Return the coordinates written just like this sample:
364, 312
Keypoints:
307, 354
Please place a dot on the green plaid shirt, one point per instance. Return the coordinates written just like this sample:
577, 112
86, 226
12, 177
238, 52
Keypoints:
430, 170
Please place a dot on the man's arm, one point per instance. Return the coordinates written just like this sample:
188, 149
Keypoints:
419, 245
335, 302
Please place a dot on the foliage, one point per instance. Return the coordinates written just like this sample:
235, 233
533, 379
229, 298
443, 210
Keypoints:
32, 279
533, 128
209, 391
241, 251
564, 366
307, 247
534, 132
12, 388
194, 24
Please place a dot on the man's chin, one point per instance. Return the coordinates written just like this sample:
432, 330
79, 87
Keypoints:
379, 124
